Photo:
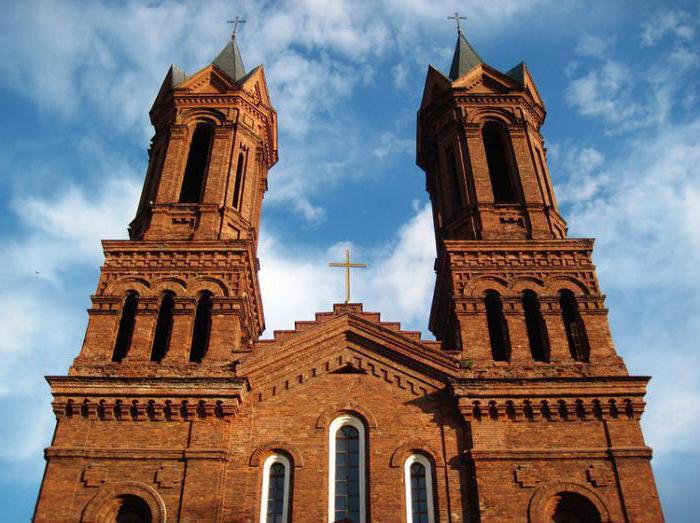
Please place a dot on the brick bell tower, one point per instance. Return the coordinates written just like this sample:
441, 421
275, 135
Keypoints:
176, 306
518, 303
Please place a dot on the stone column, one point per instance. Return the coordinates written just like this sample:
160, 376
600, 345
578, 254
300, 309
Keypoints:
181, 335
225, 336
473, 328
517, 329
101, 333
558, 342
144, 328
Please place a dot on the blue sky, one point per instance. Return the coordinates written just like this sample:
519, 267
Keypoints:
620, 82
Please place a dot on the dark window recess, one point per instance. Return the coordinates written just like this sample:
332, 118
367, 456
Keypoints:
202, 328
575, 329
164, 327
197, 161
347, 474
497, 159
419, 493
275, 494
126, 327
456, 187
568, 507
498, 328
132, 509
238, 184
536, 328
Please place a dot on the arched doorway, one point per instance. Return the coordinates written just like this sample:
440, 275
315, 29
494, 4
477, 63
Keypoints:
131, 509
569, 507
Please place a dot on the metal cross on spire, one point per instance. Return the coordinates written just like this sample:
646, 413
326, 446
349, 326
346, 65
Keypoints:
235, 22
457, 18
347, 265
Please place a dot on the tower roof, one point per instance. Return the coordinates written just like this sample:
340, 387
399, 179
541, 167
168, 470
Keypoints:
464, 59
230, 61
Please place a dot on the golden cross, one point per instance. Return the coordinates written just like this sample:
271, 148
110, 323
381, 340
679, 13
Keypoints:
347, 265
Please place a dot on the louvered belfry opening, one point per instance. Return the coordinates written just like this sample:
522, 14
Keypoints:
164, 327
536, 328
126, 327
197, 163
497, 151
498, 328
202, 328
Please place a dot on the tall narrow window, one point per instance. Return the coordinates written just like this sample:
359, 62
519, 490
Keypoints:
202, 328
498, 328
126, 326
536, 328
494, 137
419, 490
197, 162
575, 329
274, 506
346, 478
164, 327
455, 186
238, 184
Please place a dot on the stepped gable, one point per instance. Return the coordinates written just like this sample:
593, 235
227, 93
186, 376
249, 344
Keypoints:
347, 340
280, 337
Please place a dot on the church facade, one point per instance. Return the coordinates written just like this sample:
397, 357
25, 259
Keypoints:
176, 410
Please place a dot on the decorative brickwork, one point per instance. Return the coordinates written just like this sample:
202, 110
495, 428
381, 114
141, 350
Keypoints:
175, 410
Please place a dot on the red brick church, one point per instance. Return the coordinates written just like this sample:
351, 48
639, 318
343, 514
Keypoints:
176, 410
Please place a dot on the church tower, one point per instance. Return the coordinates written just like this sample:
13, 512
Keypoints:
176, 307
518, 303
176, 410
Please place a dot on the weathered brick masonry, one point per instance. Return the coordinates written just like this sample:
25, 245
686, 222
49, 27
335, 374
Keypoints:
175, 410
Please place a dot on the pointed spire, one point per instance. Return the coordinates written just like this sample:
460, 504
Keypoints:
230, 61
464, 59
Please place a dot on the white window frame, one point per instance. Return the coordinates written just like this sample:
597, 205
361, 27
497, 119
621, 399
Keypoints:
419, 458
337, 424
267, 465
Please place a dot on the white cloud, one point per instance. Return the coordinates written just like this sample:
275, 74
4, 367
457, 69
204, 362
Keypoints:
644, 212
297, 282
678, 23
389, 144
593, 45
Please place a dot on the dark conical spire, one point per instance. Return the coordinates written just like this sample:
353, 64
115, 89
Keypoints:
230, 61
464, 59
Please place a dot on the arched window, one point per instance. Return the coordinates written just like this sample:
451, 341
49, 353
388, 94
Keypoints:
569, 507
202, 328
455, 186
575, 329
498, 328
164, 327
274, 505
497, 145
536, 328
346, 475
418, 478
238, 184
130, 509
197, 162
126, 326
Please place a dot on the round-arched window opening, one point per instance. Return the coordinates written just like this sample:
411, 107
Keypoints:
131, 509
569, 507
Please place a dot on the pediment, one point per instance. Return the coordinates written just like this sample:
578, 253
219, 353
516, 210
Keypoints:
436, 84
255, 85
208, 81
347, 344
487, 80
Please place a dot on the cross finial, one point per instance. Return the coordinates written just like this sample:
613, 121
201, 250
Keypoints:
457, 18
347, 266
235, 22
